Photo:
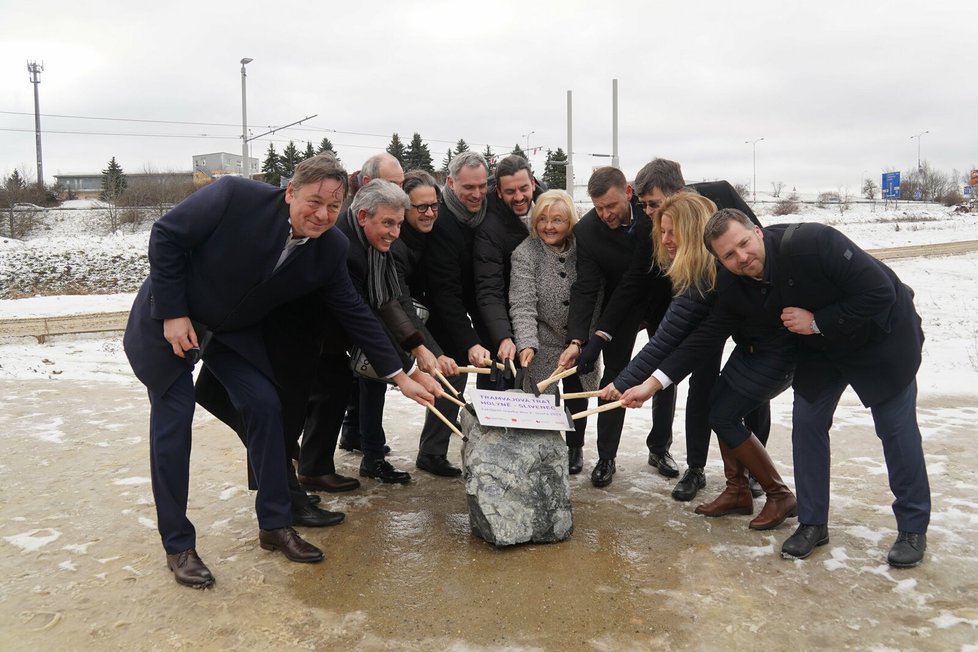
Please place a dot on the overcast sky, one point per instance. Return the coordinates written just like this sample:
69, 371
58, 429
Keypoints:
835, 88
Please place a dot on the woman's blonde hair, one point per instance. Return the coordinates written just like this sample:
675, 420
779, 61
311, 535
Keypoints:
554, 200
693, 266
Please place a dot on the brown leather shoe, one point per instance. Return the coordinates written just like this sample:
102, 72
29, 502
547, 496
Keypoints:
332, 482
189, 570
291, 544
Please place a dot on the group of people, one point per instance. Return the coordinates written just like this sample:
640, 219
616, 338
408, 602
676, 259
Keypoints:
305, 305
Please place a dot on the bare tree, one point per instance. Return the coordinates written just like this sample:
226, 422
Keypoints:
777, 187
870, 188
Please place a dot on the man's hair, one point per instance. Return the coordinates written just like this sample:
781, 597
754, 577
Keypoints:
379, 193
467, 159
511, 165
371, 167
420, 179
556, 201
693, 266
319, 168
604, 179
659, 173
720, 222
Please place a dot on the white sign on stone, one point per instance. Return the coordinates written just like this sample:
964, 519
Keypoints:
519, 410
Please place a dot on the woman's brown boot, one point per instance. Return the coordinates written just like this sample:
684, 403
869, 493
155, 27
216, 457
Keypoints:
781, 502
735, 497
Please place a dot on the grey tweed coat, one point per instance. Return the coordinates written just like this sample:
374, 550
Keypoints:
539, 300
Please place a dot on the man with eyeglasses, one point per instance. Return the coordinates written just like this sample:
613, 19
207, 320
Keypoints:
511, 195
658, 179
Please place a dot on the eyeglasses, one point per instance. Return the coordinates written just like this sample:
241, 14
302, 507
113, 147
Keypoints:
651, 205
552, 221
424, 208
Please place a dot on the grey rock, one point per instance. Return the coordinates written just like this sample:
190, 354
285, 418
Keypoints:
516, 483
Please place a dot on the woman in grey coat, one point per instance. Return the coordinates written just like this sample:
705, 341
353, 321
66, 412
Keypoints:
544, 267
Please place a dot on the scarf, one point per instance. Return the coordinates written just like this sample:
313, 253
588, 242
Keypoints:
382, 283
461, 213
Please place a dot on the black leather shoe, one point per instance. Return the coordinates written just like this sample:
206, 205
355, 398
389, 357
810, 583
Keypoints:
189, 570
354, 446
603, 472
291, 544
908, 550
575, 459
381, 469
689, 485
756, 491
438, 465
314, 499
664, 463
312, 516
803, 542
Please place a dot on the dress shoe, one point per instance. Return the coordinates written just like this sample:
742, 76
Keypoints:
291, 544
603, 472
331, 482
438, 465
312, 516
689, 485
575, 459
756, 490
664, 463
908, 550
381, 469
354, 446
189, 570
801, 544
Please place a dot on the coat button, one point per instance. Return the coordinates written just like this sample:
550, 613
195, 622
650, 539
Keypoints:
563, 275
566, 302
562, 259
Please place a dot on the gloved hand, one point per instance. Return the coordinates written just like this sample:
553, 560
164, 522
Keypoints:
589, 354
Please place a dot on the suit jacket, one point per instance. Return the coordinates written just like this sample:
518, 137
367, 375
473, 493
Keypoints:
212, 258
603, 257
644, 281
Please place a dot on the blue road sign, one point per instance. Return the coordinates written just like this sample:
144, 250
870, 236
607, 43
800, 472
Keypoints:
891, 185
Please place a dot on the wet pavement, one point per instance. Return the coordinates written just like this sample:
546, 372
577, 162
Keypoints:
82, 568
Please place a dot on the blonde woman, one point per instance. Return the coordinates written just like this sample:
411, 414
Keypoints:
544, 267
677, 233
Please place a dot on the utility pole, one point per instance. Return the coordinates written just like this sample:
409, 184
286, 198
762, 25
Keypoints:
614, 125
754, 144
918, 147
569, 177
245, 159
35, 69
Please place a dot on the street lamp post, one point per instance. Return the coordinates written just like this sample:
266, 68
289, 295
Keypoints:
754, 144
245, 163
527, 150
918, 146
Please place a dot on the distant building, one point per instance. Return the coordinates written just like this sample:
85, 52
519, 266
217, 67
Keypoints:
89, 186
220, 164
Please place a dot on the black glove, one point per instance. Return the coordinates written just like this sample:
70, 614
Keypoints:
589, 354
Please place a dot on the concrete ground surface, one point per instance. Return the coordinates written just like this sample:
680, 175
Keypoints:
82, 567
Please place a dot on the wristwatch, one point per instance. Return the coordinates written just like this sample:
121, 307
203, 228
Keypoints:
815, 328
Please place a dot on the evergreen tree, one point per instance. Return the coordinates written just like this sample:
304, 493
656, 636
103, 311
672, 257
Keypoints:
490, 160
461, 146
113, 182
396, 149
327, 146
289, 159
417, 156
310, 152
16, 182
519, 152
555, 170
272, 167
448, 159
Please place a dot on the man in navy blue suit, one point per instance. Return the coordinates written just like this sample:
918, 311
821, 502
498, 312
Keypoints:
219, 263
